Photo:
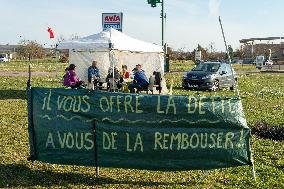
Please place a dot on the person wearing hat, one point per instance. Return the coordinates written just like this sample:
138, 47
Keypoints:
140, 80
71, 79
139, 67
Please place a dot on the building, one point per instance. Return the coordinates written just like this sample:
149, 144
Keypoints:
251, 48
9, 50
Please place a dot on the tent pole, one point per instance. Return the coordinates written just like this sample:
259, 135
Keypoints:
30, 77
111, 58
57, 62
163, 17
113, 75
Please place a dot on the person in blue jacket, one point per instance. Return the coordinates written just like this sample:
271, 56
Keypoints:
140, 81
94, 73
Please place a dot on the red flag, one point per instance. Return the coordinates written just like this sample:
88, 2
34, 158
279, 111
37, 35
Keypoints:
51, 34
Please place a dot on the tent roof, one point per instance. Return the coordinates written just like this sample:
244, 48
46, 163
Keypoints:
119, 40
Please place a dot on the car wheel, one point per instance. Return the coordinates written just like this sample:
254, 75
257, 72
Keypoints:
215, 85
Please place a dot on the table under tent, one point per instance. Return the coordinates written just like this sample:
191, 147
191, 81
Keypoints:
113, 48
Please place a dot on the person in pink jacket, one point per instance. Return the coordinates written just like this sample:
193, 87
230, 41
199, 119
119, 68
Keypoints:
71, 79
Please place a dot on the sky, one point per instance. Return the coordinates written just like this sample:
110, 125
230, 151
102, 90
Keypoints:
189, 22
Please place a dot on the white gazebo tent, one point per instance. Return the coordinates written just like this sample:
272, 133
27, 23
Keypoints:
113, 48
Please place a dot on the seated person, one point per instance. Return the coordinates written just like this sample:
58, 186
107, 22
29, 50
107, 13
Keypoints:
125, 73
158, 79
94, 74
126, 78
139, 67
115, 76
71, 79
140, 80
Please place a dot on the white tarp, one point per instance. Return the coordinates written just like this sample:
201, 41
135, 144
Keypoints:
119, 41
125, 50
83, 59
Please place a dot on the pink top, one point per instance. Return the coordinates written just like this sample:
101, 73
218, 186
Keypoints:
70, 78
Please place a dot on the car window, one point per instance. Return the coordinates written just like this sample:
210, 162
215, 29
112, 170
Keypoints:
207, 67
215, 67
229, 70
199, 67
222, 68
259, 58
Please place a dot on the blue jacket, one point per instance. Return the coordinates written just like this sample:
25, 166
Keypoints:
141, 78
93, 72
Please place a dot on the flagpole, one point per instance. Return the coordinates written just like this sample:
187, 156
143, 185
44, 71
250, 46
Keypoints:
229, 57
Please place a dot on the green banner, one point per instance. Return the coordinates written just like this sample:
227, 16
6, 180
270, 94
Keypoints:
94, 128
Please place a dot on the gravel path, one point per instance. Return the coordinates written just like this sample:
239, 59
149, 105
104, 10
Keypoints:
20, 74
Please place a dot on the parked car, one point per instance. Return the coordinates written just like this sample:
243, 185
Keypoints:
237, 61
259, 61
3, 58
248, 61
210, 76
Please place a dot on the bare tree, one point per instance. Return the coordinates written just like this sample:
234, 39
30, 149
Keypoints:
30, 50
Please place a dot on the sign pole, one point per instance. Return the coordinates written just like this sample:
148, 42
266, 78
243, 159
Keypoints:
163, 23
164, 45
163, 17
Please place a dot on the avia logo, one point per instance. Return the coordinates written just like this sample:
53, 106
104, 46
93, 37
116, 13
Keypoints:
113, 18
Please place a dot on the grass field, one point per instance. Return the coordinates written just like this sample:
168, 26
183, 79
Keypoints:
48, 65
186, 65
262, 96
263, 100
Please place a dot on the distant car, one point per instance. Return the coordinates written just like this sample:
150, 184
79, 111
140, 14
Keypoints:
210, 76
3, 58
248, 61
235, 61
261, 62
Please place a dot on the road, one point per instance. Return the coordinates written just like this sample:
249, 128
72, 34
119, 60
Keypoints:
22, 74
275, 69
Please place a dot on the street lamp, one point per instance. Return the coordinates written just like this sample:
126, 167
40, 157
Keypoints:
163, 17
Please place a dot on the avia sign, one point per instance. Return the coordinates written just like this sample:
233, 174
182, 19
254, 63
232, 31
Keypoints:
112, 20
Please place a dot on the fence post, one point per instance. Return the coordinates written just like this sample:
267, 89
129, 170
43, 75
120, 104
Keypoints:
96, 151
30, 119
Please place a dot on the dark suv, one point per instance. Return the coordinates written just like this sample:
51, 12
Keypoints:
210, 76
